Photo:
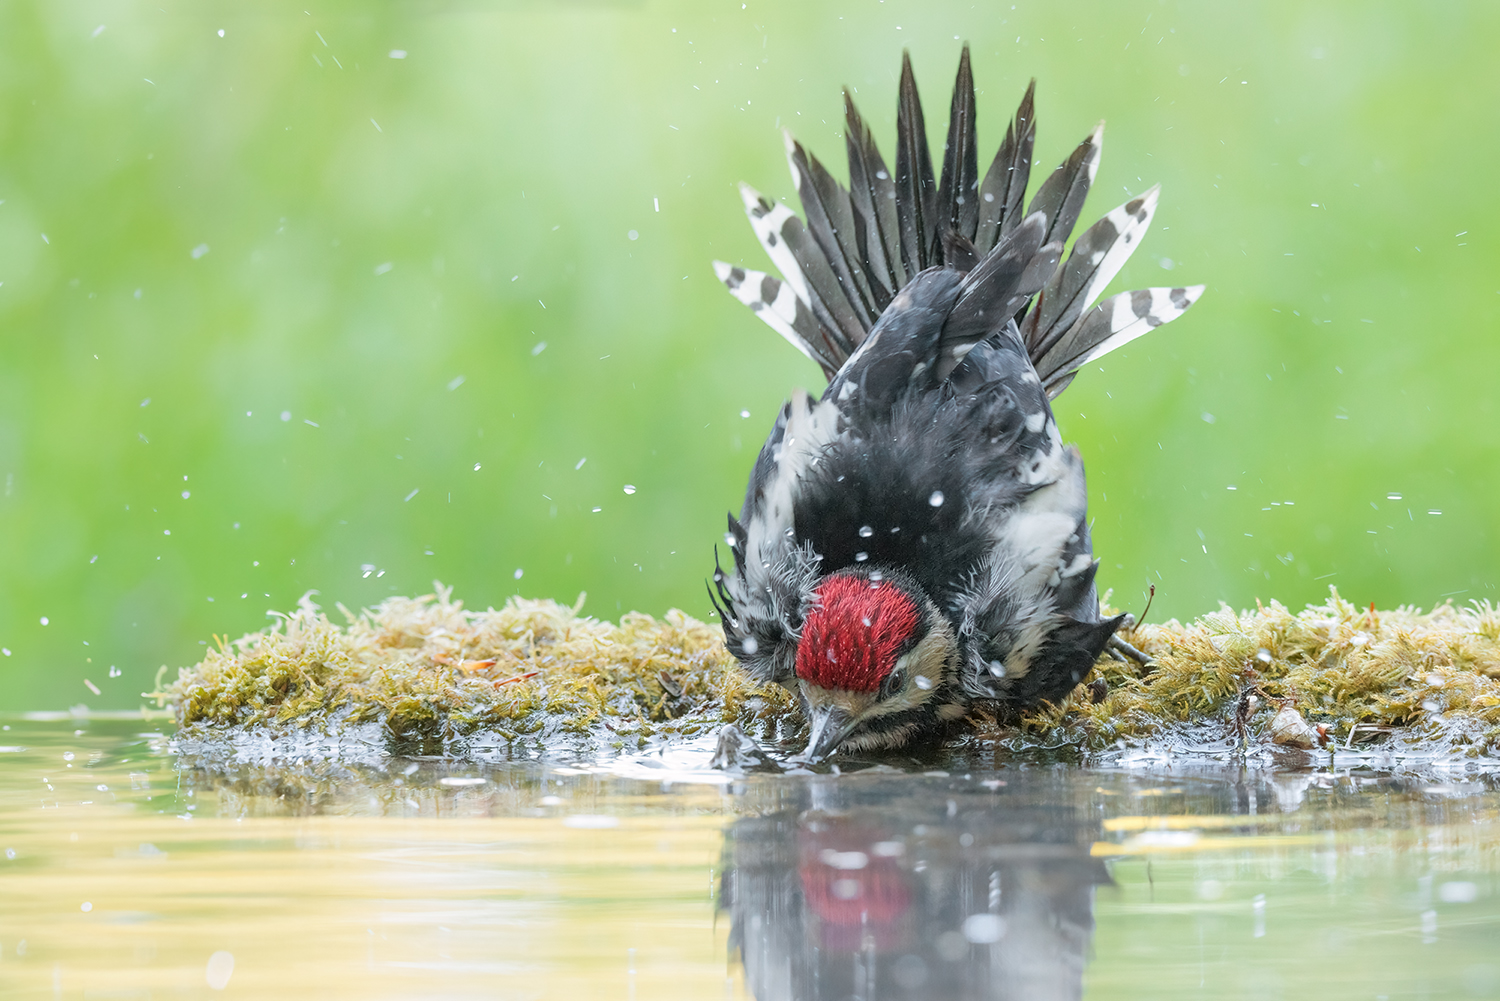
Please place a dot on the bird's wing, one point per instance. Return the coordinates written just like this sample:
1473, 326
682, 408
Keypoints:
1029, 607
761, 602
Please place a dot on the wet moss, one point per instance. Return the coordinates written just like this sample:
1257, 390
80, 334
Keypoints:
432, 675
1405, 678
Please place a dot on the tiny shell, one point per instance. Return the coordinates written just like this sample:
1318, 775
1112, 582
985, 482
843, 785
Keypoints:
1291, 730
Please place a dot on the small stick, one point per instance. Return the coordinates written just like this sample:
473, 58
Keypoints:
1149, 599
519, 677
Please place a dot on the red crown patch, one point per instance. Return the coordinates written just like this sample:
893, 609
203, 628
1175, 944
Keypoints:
854, 634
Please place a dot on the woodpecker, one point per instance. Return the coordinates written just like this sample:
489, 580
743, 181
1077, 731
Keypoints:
916, 540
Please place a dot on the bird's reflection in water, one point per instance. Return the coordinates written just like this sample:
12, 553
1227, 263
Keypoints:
883, 886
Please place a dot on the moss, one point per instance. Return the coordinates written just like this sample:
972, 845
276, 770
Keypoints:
434, 675
432, 672
1398, 679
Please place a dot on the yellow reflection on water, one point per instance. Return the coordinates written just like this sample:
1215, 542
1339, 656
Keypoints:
101, 903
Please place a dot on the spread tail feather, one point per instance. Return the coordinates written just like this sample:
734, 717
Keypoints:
861, 246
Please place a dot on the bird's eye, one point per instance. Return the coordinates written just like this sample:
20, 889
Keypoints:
894, 682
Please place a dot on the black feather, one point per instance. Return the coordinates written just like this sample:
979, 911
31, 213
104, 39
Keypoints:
903, 344
840, 327
959, 253
958, 189
916, 194
830, 220
1065, 659
1061, 195
993, 291
1004, 188
873, 199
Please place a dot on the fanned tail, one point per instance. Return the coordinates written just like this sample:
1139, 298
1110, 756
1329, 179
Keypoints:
861, 246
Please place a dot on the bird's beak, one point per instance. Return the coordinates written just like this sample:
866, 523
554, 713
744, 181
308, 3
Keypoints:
830, 724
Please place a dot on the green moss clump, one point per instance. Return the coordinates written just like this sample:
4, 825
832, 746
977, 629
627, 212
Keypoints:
433, 675
1399, 679
431, 672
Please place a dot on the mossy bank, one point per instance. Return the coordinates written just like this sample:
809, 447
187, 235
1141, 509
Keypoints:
536, 675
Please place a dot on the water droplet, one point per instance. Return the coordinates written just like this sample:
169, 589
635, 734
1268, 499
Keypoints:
518, 573
865, 531
744, 413
729, 538
1263, 655
580, 463
860, 557
220, 969
186, 494
984, 929
44, 620
923, 682
1392, 496
997, 668
476, 467
633, 235
936, 500
286, 415
750, 645
87, 906
630, 488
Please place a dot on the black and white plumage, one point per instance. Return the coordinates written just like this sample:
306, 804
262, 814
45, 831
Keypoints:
916, 539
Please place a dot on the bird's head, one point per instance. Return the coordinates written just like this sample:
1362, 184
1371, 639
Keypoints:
873, 663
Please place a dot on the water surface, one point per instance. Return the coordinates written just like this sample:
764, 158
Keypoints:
131, 871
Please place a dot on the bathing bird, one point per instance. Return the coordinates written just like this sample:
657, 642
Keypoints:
915, 541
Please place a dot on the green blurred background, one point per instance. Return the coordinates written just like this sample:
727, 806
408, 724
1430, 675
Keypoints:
282, 308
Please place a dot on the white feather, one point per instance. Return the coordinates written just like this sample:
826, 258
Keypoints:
780, 313
768, 230
1126, 326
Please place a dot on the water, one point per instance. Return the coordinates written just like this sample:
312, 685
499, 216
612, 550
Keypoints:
130, 871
